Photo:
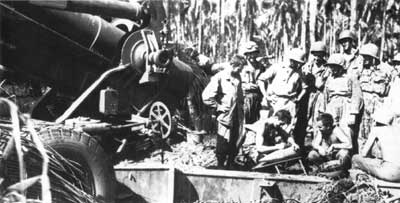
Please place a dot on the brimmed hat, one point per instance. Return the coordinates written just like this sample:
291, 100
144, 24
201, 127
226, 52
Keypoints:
318, 46
248, 47
336, 59
370, 50
346, 34
298, 55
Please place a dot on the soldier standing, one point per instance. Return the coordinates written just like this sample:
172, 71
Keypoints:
374, 83
315, 74
249, 74
224, 92
284, 87
350, 54
343, 96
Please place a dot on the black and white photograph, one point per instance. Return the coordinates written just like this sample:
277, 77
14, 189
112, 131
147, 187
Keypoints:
199, 101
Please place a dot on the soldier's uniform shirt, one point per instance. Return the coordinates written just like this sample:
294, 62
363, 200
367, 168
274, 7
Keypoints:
353, 63
316, 76
224, 92
374, 83
317, 71
252, 96
284, 85
343, 98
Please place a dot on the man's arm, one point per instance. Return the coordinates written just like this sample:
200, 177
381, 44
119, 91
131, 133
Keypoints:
356, 100
261, 148
263, 79
316, 143
210, 93
288, 137
372, 137
303, 86
344, 139
262, 87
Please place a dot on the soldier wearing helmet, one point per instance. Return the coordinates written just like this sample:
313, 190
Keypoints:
249, 48
343, 96
249, 74
314, 76
350, 54
374, 80
283, 82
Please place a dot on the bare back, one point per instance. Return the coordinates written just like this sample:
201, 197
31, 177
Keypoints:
389, 142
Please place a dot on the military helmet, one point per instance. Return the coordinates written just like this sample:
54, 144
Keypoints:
370, 50
346, 34
336, 59
318, 46
396, 57
248, 47
298, 55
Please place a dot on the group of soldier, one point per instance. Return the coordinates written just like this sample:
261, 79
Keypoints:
343, 103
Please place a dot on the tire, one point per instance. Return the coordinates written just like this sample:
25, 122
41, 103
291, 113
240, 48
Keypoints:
85, 150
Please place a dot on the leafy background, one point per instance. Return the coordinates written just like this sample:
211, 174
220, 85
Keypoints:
216, 27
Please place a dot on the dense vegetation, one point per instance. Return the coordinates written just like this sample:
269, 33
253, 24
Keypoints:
216, 27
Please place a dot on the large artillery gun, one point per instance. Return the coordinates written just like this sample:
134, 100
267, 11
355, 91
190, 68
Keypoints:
112, 86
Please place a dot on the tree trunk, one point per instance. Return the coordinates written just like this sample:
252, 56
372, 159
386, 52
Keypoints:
383, 30
304, 24
353, 15
313, 18
200, 26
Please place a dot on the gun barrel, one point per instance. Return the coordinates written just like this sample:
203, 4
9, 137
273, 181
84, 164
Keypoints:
113, 8
160, 58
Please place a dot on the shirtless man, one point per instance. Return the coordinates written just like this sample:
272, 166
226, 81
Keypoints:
387, 167
330, 143
273, 142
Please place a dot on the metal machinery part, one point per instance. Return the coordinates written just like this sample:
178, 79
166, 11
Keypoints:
161, 120
132, 10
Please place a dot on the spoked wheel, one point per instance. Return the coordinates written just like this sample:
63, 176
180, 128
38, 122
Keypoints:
161, 119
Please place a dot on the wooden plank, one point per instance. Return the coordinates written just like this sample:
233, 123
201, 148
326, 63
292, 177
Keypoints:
171, 185
386, 184
268, 164
225, 173
143, 166
252, 175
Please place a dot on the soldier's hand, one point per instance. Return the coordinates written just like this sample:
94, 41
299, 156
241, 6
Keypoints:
295, 147
322, 151
281, 145
330, 149
351, 119
222, 108
264, 102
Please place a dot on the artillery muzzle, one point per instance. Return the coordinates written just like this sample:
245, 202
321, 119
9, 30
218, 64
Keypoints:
160, 58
